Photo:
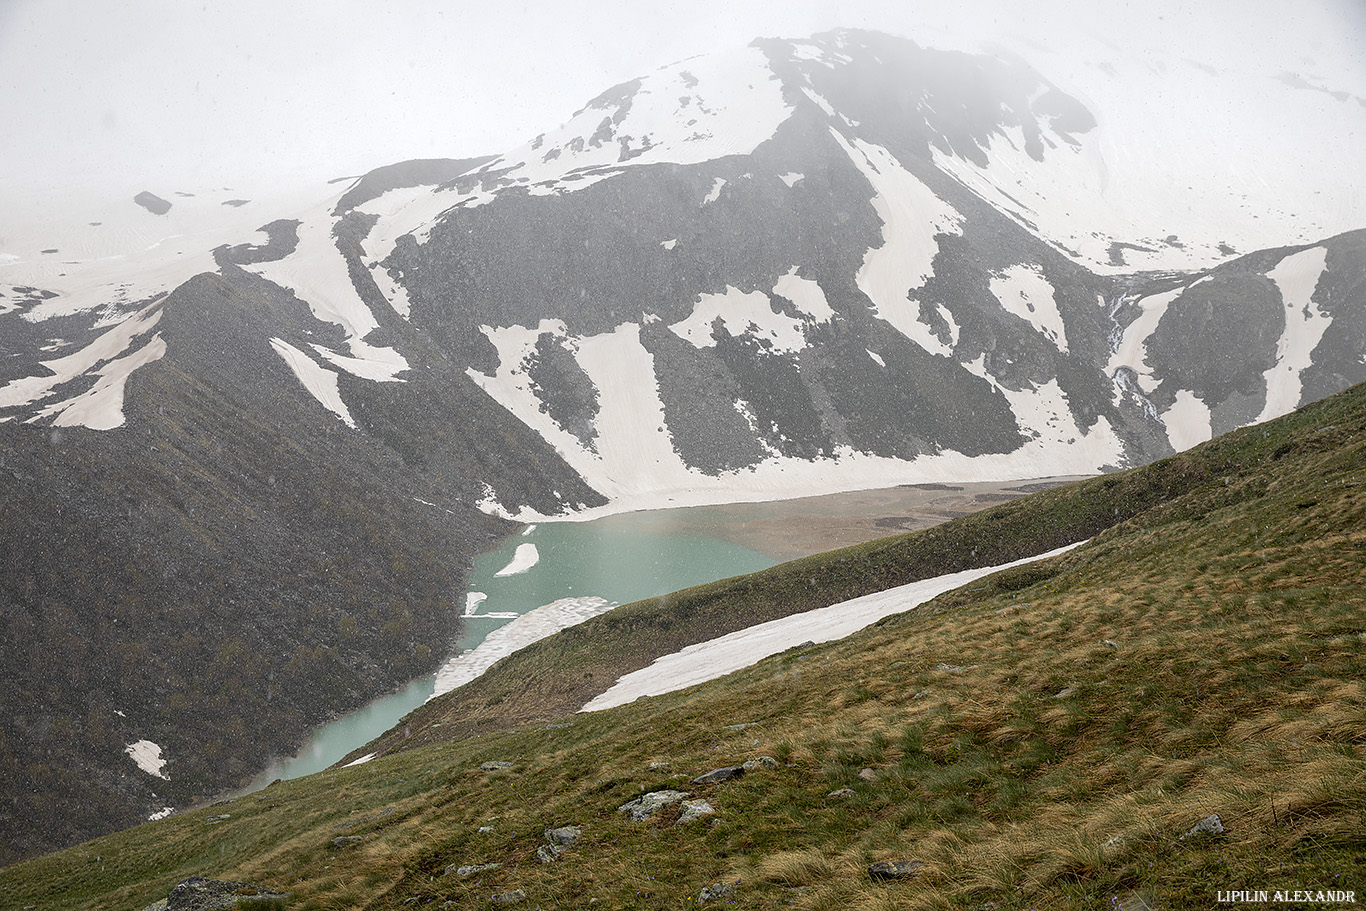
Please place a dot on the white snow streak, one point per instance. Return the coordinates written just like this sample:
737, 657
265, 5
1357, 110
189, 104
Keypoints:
107, 347
521, 632
525, 557
717, 657
1023, 291
1132, 351
912, 217
317, 273
1297, 276
320, 382
715, 193
147, 755
101, 406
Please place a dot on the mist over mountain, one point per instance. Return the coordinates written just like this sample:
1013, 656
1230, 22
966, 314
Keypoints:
245, 463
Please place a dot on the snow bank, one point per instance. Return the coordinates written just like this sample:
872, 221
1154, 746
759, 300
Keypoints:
718, 657
526, 629
1296, 276
320, 382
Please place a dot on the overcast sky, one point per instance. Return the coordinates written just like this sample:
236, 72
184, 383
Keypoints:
150, 93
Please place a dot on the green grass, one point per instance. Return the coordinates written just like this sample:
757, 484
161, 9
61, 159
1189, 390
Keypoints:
1054, 771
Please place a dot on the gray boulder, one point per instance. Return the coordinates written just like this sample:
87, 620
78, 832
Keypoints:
201, 894
694, 810
647, 805
725, 773
895, 869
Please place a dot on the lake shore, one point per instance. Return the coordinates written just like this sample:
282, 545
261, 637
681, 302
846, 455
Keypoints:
799, 527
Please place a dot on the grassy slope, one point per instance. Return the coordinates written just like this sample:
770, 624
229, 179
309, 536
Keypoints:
1046, 768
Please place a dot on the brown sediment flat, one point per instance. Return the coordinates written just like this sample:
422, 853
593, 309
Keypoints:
787, 529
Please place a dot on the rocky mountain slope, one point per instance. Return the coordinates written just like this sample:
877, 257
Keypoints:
1172, 706
246, 452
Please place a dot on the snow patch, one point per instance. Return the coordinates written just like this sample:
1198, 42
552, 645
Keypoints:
525, 557
361, 761
806, 294
161, 814
147, 755
715, 193
670, 244
717, 657
521, 632
877, 360
107, 348
1187, 421
1023, 291
473, 600
912, 218
101, 406
320, 382
741, 313
1296, 276
791, 178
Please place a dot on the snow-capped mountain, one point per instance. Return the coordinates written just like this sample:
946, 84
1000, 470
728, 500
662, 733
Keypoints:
805, 266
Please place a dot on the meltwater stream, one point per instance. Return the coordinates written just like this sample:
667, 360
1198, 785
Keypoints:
551, 576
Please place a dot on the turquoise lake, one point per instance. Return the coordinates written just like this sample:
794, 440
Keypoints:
618, 558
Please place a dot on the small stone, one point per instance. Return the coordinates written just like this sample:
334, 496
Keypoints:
763, 762
509, 898
218, 818
841, 793
484, 830
725, 773
548, 854
895, 869
741, 727
344, 841
564, 835
657, 766
715, 890
1210, 825
465, 870
495, 765
867, 775
694, 810
647, 805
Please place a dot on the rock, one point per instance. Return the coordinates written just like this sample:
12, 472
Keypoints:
548, 854
741, 727
564, 835
841, 793
471, 869
1210, 825
1110, 644
152, 203
763, 762
867, 775
200, 894
222, 818
657, 766
648, 805
509, 898
895, 869
725, 773
484, 830
715, 890
345, 841
694, 810
495, 765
